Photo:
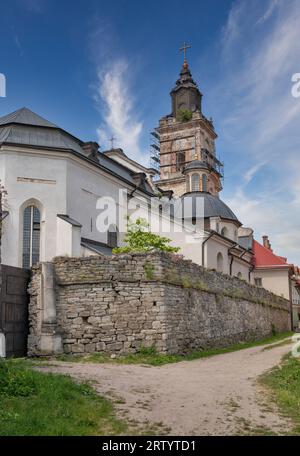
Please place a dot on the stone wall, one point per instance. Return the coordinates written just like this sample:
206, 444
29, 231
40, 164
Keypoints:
118, 304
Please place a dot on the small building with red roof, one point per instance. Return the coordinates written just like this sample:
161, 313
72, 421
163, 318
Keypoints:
274, 273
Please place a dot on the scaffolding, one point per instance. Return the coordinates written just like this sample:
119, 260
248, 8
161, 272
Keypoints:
155, 153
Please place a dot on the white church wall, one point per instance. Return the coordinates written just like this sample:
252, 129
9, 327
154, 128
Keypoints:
2, 168
213, 247
64, 184
68, 239
32, 177
240, 269
85, 185
229, 230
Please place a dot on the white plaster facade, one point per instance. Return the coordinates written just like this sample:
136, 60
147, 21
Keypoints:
65, 185
274, 279
62, 183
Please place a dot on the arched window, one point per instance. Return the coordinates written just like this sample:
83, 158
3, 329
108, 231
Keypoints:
180, 161
220, 262
239, 275
112, 236
224, 231
31, 236
204, 183
195, 182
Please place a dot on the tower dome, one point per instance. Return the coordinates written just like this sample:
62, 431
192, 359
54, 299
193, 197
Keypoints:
208, 206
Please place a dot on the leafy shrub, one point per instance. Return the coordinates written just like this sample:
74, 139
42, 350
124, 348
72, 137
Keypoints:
273, 328
16, 381
139, 239
184, 115
148, 351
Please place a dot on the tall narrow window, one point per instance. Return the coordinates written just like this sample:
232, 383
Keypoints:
31, 236
195, 182
112, 236
180, 161
204, 183
220, 262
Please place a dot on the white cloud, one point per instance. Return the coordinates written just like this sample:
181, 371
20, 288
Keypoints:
270, 10
231, 31
261, 118
120, 116
251, 172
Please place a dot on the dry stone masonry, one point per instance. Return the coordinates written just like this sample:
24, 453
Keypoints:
118, 304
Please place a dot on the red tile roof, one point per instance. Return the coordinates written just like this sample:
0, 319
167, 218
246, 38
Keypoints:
264, 257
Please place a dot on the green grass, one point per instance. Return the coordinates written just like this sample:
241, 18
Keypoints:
280, 344
33, 403
284, 382
151, 357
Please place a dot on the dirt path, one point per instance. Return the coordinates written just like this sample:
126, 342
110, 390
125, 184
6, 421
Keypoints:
211, 396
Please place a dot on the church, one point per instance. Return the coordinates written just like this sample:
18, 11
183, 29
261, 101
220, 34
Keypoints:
53, 181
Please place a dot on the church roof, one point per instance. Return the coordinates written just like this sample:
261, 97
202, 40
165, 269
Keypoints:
25, 116
24, 127
213, 207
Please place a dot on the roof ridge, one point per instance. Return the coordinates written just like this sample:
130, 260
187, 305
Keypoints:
25, 116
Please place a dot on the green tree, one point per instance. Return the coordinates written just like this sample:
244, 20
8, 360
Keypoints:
138, 239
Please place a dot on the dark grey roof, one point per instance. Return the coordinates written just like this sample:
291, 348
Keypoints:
68, 219
38, 137
97, 247
213, 206
26, 117
24, 127
196, 164
185, 80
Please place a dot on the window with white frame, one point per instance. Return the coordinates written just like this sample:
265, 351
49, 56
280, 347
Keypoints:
195, 182
31, 236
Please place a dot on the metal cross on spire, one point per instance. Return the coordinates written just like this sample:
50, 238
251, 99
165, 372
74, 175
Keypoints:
112, 140
184, 48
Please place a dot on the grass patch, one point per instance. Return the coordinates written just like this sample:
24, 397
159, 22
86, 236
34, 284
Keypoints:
280, 344
33, 403
284, 382
148, 355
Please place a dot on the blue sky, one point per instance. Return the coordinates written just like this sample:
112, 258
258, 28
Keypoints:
98, 68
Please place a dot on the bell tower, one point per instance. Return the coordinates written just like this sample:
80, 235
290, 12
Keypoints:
187, 155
